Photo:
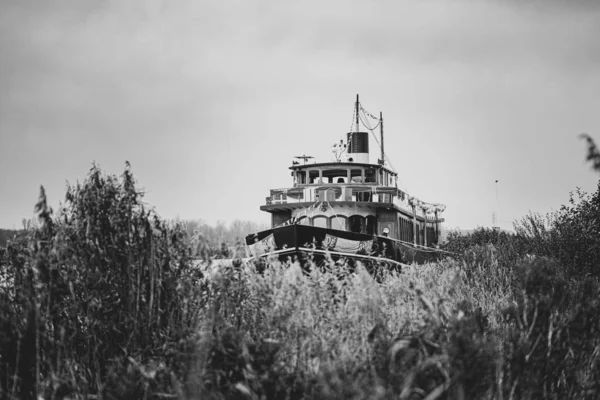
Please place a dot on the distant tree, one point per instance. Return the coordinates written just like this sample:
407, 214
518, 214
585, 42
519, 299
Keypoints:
236, 228
220, 230
5, 236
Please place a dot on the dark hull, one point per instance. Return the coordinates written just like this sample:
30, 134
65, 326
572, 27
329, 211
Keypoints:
302, 241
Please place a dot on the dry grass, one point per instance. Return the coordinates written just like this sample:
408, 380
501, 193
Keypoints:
104, 301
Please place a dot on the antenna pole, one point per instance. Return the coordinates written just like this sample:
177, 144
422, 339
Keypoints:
357, 103
381, 132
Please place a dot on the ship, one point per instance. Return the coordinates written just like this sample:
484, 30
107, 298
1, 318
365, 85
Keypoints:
349, 208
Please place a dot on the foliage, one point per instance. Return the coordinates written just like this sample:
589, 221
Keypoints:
570, 235
427, 332
6, 235
593, 154
577, 232
94, 295
105, 299
550, 335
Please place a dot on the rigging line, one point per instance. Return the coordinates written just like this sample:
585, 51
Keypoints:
374, 136
350, 131
386, 157
366, 124
377, 140
368, 113
369, 128
375, 127
312, 209
372, 129
334, 213
353, 117
391, 164
316, 208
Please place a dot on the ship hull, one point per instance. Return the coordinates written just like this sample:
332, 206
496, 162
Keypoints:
304, 242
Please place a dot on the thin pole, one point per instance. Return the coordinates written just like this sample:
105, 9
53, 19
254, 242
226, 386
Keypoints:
496, 192
381, 132
357, 103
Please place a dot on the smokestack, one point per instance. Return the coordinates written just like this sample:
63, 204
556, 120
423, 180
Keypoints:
358, 147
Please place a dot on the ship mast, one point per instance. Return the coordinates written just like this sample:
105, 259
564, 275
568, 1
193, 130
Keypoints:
381, 132
356, 112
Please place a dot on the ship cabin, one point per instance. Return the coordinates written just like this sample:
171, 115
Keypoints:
356, 196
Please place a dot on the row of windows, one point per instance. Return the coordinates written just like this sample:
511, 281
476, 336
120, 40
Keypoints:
407, 232
362, 175
354, 223
368, 225
335, 176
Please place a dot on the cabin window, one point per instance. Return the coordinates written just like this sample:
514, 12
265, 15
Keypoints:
364, 196
385, 198
402, 229
356, 223
338, 222
320, 221
371, 225
356, 175
301, 177
402, 226
335, 175
407, 229
279, 197
430, 236
370, 176
313, 177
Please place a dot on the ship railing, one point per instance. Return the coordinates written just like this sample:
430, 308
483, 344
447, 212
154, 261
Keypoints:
341, 193
308, 194
404, 206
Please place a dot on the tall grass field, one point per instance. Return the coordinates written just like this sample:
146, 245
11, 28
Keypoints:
103, 299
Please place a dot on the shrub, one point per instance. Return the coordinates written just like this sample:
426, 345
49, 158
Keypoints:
94, 292
550, 340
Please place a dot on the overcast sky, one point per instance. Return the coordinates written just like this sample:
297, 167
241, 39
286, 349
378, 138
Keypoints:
209, 101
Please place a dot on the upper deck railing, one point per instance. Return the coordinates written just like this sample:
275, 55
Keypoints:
342, 173
348, 193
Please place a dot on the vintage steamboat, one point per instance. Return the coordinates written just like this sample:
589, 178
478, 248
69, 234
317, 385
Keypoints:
349, 208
